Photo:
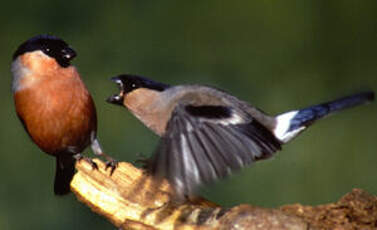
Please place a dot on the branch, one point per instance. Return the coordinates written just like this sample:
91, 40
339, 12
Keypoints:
131, 199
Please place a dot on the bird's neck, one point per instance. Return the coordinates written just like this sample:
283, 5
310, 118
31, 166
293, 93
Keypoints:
27, 72
145, 105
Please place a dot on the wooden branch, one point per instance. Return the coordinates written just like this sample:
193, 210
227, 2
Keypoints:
131, 199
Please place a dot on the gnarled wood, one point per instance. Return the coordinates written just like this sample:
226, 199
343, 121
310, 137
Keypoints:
131, 199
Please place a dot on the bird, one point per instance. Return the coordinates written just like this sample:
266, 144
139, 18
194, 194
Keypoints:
206, 133
54, 105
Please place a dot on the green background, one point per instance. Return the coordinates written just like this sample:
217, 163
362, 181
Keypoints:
278, 55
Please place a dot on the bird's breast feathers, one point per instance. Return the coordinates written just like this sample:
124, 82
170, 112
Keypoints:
57, 110
33, 68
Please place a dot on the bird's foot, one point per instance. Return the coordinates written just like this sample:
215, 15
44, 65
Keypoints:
80, 157
112, 164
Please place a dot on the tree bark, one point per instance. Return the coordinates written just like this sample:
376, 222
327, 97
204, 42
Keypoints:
132, 199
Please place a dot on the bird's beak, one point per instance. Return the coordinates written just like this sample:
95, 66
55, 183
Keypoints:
117, 99
68, 53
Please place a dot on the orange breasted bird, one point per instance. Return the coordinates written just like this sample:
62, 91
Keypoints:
54, 105
206, 133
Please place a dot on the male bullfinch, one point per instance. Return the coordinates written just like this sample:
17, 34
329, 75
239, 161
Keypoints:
207, 133
54, 105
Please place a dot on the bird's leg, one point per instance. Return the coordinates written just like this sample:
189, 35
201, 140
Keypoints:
110, 162
80, 157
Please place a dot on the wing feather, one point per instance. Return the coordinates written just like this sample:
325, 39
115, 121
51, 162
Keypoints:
205, 167
200, 147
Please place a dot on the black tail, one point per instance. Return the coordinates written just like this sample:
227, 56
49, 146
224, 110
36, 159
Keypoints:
290, 124
305, 117
65, 169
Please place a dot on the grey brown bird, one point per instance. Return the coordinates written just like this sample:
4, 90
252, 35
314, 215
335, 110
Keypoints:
206, 133
54, 105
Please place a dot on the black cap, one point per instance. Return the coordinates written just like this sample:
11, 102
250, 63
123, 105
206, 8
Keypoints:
130, 82
51, 46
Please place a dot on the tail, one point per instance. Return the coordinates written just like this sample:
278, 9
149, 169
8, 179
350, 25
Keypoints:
65, 169
290, 124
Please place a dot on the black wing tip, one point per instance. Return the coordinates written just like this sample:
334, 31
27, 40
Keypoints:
209, 111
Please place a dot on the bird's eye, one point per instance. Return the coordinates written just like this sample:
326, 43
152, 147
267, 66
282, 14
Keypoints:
130, 86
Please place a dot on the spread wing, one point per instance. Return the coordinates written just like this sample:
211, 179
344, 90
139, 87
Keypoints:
205, 143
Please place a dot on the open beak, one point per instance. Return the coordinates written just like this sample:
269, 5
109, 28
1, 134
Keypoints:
117, 99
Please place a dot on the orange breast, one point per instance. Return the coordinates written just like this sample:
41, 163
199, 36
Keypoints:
58, 113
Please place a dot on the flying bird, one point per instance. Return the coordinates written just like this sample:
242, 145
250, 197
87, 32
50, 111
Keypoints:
206, 133
54, 105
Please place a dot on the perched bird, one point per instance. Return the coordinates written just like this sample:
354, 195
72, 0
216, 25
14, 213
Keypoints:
207, 133
54, 105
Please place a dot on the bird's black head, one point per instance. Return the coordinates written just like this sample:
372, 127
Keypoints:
49, 45
128, 83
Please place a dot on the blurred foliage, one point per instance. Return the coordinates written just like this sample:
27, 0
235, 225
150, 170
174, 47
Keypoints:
278, 55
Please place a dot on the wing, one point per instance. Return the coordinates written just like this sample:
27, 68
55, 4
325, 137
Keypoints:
205, 143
